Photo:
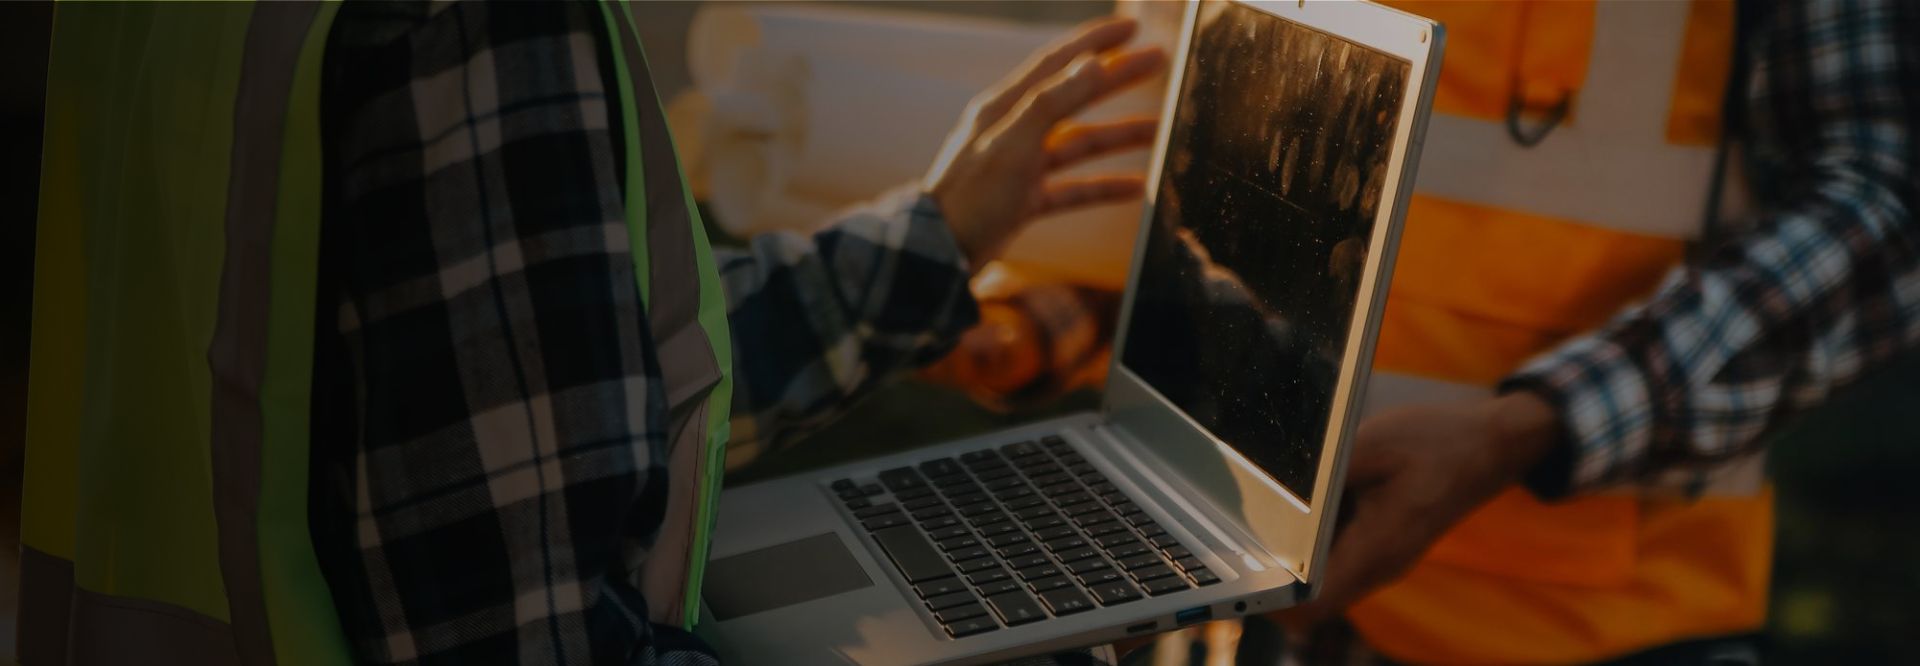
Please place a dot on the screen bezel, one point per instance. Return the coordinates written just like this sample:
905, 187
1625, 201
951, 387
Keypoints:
1293, 530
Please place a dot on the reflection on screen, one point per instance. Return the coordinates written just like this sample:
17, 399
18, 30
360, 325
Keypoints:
1273, 174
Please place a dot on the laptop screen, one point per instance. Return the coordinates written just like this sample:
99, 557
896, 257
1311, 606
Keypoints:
1265, 208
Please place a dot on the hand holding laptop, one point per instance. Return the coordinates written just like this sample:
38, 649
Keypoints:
992, 176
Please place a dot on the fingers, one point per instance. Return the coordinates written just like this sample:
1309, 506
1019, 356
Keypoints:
1066, 194
1073, 144
1069, 92
1092, 37
1371, 551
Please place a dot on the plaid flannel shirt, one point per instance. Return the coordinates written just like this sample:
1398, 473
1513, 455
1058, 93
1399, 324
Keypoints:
488, 461
1820, 285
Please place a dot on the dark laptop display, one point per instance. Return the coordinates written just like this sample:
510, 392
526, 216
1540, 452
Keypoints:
1277, 161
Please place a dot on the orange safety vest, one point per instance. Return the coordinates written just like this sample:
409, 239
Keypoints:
1510, 249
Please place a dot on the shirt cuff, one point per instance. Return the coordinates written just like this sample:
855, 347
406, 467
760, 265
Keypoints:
929, 297
1605, 410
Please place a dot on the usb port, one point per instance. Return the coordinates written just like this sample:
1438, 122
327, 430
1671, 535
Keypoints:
1192, 615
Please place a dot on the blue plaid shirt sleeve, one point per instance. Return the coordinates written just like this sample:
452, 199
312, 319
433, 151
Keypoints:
1822, 284
819, 320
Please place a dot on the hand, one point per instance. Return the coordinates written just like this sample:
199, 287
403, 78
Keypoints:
992, 176
1414, 473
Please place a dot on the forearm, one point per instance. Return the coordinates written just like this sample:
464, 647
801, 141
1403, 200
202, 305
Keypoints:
819, 320
1825, 286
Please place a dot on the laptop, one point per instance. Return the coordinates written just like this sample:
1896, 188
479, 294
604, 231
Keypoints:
1206, 485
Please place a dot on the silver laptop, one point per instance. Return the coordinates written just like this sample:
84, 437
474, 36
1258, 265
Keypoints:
1206, 485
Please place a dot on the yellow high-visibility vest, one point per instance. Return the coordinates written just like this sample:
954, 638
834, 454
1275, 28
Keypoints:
1510, 249
164, 509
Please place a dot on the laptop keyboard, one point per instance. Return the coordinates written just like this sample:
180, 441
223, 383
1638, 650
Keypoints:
1019, 534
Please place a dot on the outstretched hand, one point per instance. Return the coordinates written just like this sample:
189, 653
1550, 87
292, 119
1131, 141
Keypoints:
996, 172
1415, 472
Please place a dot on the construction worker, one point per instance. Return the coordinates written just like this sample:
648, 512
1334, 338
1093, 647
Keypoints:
389, 333
1603, 499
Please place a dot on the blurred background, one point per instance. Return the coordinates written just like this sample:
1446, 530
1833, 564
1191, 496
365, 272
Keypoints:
758, 100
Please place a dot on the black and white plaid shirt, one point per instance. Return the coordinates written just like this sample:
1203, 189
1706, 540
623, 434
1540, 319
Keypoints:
488, 461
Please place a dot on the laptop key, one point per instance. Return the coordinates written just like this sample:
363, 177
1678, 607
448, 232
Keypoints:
940, 467
882, 522
971, 457
1189, 563
1003, 526
1101, 575
999, 587
932, 513
971, 566
1163, 541
1021, 449
1071, 459
923, 503
949, 600
1204, 576
972, 552
1033, 512
1007, 539
913, 493
1072, 498
1076, 554
901, 478
1005, 483
1088, 520
1065, 544
1164, 585
1105, 529
1140, 520
1053, 583
1081, 567
967, 497
1095, 478
1066, 600
1113, 497
939, 586
1128, 549
1025, 561
1025, 503
971, 626
957, 613
1044, 522
859, 503
1109, 541
1114, 592
876, 510
950, 481
1127, 508
1154, 572
1016, 608
843, 485
1151, 530
984, 576
1052, 533
1082, 509
1080, 469
1014, 493
1018, 549
916, 559
1055, 478
991, 474
871, 489
940, 523
1058, 489
1039, 572
955, 543
1177, 552
1138, 561
978, 509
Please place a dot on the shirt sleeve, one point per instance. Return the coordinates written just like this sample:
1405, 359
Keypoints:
487, 446
1821, 287
821, 319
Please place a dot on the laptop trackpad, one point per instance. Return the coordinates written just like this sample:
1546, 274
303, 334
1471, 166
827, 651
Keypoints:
781, 576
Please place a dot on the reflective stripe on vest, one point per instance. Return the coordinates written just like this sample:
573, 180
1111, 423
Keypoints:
164, 504
689, 323
1509, 250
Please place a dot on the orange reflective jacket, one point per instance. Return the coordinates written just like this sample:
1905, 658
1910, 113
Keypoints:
1512, 248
